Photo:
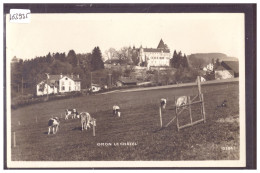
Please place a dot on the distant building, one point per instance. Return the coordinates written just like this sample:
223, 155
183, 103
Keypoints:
209, 67
231, 65
155, 57
125, 81
58, 84
95, 87
227, 69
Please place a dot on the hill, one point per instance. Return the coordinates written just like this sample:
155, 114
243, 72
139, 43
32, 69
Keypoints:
207, 57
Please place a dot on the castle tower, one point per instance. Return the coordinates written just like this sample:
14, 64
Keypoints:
161, 45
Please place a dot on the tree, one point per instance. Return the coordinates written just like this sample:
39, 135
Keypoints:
217, 64
134, 56
72, 58
123, 55
185, 63
96, 59
173, 61
197, 63
111, 53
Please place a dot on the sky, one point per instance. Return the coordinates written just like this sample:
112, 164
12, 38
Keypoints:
186, 32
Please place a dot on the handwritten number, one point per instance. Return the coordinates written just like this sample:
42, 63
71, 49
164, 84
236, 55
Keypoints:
18, 16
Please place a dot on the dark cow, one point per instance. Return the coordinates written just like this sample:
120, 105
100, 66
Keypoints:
163, 103
53, 124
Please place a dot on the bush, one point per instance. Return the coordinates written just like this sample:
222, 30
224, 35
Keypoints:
27, 100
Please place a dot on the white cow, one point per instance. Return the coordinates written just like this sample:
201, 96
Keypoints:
53, 124
163, 103
73, 112
86, 120
116, 110
181, 101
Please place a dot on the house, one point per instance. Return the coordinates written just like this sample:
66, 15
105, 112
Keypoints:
95, 88
125, 81
209, 67
227, 69
231, 65
155, 57
55, 84
222, 73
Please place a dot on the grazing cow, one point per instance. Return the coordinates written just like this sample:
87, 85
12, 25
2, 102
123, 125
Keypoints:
223, 104
116, 110
181, 101
53, 124
163, 103
86, 120
73, 112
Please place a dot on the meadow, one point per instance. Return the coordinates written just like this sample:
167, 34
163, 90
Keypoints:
136, 135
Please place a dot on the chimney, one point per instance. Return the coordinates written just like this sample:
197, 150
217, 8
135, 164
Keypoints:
48, 76
78, 75
61, 75
71, 75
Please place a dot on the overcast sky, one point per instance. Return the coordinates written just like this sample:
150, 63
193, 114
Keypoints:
189, 33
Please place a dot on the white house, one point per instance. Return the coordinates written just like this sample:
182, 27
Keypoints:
209, 67
58, 84
223, 73
95, 88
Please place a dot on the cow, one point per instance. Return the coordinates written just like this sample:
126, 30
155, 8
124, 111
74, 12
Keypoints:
86, 120
53, 124
181, 101
116, 110
223, 104
73, 112
163, 103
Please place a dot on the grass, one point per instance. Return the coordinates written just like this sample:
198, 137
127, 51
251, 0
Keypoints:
139, 124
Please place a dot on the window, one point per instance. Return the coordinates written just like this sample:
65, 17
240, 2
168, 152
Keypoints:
69, 83
66, 78
62, 88
69, 88
62, 83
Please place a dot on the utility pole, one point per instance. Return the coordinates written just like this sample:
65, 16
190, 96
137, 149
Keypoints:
91, 81
22, 85
47, 75
109, 80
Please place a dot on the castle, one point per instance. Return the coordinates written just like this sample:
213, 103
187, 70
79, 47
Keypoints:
159, 57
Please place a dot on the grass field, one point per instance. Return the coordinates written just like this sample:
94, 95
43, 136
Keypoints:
138, 125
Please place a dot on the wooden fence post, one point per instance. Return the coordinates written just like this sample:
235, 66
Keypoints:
14, 140
199, 86
160, 112
190, 109
176, 111
94, 125
203, 108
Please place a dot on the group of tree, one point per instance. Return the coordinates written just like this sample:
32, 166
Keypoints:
178, 60
28, 73
125, 55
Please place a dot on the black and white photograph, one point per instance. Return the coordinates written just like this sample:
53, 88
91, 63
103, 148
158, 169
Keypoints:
124, 89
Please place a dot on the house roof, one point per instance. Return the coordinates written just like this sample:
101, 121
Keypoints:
156, 50
161, 45
72, 77
231, 65
53, 78
126, 80
220, 68
95, 85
